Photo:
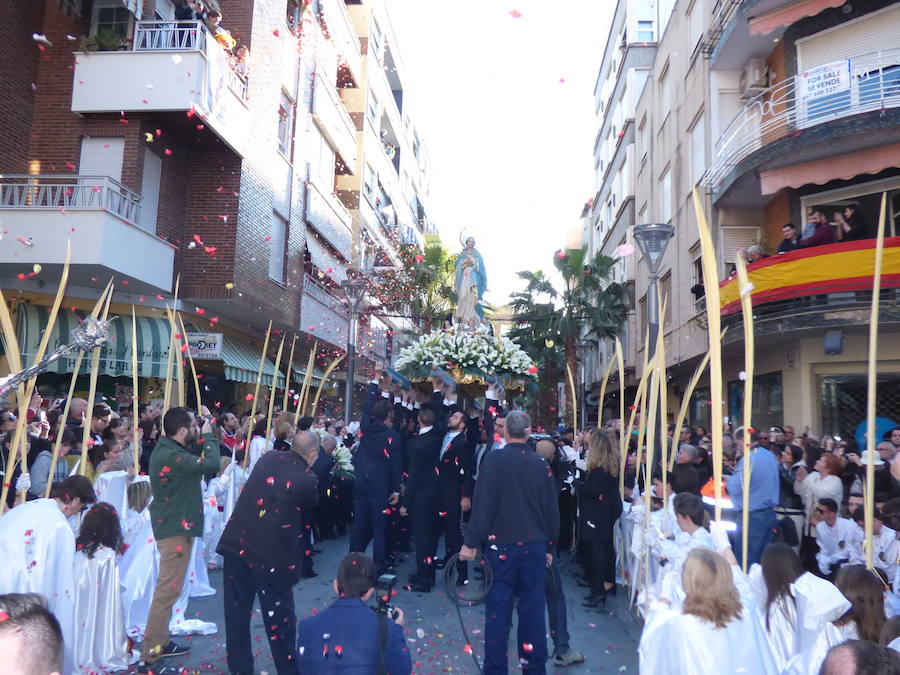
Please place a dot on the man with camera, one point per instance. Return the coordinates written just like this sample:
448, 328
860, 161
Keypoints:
349, 636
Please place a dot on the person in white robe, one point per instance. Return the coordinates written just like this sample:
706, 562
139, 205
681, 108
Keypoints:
837, 537
714, 632
214, 498
772, 581
139, 564
884, 540
37, 550
818, 603
101, 644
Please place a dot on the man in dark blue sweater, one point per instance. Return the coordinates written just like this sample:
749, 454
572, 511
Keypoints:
516, 511
377, 465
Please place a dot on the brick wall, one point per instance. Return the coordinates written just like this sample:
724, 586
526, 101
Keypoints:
20, 56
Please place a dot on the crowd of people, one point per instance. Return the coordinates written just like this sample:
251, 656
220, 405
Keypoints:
211, 17
116, 548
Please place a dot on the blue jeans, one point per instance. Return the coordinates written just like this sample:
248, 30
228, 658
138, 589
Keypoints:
519, 574
556, 608
760, 533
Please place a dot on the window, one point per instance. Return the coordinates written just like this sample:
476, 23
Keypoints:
642, 139
369, 180
321, 158
643, 326
665, 196
665, 89
372, 111
376, 40
111, 15
665, 295
645, 31
285, 124
698, 149
277, 240
697, 279
695, 24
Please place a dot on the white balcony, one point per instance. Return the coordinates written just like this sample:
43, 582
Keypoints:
95, 213
322, 315
334, 121
170, 67
871, 82
343, 35
328, 216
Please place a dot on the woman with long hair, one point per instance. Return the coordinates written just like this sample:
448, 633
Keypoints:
600, 506
772, 581
98, 598
864, 588
713, 632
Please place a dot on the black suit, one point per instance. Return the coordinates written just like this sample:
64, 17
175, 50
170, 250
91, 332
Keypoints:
455, 482
423, 488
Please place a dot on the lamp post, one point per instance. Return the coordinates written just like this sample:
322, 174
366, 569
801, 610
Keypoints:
652, 239
354, 290
582, 349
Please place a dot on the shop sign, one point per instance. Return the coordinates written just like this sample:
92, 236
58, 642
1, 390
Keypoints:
205, 345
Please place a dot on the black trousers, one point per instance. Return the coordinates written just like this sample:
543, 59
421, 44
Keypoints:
424, 515
242, 584
370, 524
601, 560
568, 508
453, 536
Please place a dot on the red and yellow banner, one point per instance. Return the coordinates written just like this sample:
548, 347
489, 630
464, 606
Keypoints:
832, 268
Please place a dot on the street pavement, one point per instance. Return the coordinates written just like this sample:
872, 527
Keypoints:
436, 642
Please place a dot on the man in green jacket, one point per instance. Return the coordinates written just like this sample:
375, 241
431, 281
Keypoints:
176, 512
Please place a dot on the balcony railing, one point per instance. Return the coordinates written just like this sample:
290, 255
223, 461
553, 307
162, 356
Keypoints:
815, 281
725, 11
872, 83
169, 36
318, 291
70, 193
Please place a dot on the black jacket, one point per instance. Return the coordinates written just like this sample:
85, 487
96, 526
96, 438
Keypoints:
424, 451
378, 459
322, 468
600, 504
268, 524
455, 467
516, 502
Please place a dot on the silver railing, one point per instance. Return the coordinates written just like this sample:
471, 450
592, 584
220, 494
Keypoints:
66, 192
784, 109
152, 36
318, 291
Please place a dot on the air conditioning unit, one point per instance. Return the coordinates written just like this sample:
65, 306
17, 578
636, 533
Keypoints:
754, 78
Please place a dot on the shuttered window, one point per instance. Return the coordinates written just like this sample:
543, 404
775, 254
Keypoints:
734, 237
869, 33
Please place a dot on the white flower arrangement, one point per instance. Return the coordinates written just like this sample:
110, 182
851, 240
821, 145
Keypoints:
344, 459
479, 353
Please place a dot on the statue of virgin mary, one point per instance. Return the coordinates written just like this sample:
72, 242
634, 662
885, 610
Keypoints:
470, 282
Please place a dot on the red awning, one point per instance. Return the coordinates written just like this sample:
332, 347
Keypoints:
785, 16
821, 171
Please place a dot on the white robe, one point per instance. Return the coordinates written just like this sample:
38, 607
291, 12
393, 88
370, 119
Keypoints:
673, 643
213, 520
782, 619
112, 487
819, 602
139, 570
37, 552
101, 643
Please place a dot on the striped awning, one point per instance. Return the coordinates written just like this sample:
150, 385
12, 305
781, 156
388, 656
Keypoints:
241, 359
115, 358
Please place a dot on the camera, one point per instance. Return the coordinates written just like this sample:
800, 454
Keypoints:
384, 589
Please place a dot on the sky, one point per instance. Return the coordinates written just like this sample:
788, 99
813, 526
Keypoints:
502, 94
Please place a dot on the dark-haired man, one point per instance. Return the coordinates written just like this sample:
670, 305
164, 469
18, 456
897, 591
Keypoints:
179, 460
348, 636
838, 538
791, 241
823, 232
377, 465
31, 641
100, 418
37, 548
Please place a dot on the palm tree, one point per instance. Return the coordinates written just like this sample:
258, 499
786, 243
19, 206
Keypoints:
549, 322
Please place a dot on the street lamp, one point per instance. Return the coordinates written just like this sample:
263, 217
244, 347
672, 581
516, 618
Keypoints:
354, 290
652, 239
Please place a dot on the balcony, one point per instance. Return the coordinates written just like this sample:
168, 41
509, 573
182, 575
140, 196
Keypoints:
793, 108
817, 288
334, 121
321, 313
343, 35
169, 68
328, 216
98, 215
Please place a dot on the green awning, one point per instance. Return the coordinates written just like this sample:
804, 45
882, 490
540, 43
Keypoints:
241, 359
115, 358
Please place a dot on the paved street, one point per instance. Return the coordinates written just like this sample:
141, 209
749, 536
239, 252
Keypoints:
608, 639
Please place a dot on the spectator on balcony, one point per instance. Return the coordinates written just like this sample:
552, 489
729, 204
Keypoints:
754, 253
791, 241
851, 225
241, 63
223, 37
823, 232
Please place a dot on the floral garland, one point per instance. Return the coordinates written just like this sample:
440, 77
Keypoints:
342, 455
479, 354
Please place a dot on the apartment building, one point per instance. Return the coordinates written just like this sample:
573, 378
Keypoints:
139, 139
608, 220
770, 109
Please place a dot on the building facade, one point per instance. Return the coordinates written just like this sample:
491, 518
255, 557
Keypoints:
170, 163
773, 109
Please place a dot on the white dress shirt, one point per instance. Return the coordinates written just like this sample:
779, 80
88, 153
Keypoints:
448, 439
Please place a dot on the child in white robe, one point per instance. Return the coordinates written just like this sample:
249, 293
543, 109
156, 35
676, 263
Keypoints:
101, 643
139, 564
214, 498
